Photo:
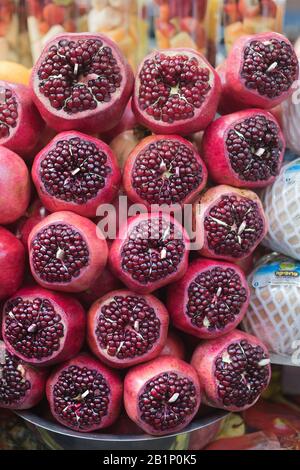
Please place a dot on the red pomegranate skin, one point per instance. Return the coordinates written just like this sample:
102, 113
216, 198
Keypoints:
205, 361
34, 214
113, 381
22, 131
105, 195
12, 263
29, 378
179, 299
127, 122
174, 346
203, 115
115, 255
103, 284
91, 121
91, 236
136, 382
216, 152
14, 186
73, 318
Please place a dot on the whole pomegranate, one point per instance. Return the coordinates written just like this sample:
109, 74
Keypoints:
66, 252
100, 286
162, 396
76, 172
43, 327
164, 170
34, 214
22, 386
14, 186
174, 346
127, 122
229, 223
233, 370
84, 394
150, 251
12, 263
244, 149
176, 92
210, 300
81, 82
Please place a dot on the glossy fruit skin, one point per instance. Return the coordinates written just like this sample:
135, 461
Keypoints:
12, 263
73, 318
93, 315
95, 241
101, 286
138, 376
111, 377
34, 214
14, 186
127, 122
215, 153
104, 196
174, 346
177, 299
100, 120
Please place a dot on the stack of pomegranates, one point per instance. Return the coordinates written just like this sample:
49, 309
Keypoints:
86, 320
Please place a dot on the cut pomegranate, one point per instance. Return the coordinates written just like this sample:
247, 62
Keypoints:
34, 214
21, 385
174, 346
84, 394
125, 328
176, 92
164, 170
20, 122
76, 172
14, 186
12, 263
162, 396
244, 149
210, 300
81, 82
259, 72
66, 252
100, 286
233, 370
150, 251
43, 327
229, 223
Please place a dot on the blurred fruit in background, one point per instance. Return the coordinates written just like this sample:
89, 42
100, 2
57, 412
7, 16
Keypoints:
9, 27
14, 72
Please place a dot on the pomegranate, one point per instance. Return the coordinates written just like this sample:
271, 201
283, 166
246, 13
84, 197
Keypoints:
259, 72
174, 346
12, 263
176, 92
150, 251
84, 394
127, 122
43, 327
100, 286
66, 252
14, 186
20, 122
233, 370
162, 396
252, 441
210, 300
125, 328
21, 385
244, 149
123, 144
81, 82
34, 214
164, 170
229, 223
76, 172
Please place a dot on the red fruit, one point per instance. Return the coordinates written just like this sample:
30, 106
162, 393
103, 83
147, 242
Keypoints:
35, 213
229, 223
252, 441
210, 300
233, 370
14, 186
84, 394
246, 264
125, 328
164, 170
174, 346
43, 327
103, 284
125, 426
162, 396
81, 82
269, 8
66, 252
150, 251
127, 122
176, 92
76, 172
244, 149
20, 122
249, 8
12, 263
123, 144
21, 385
259, 72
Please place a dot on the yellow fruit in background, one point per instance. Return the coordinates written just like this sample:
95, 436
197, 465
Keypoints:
183, 40
14, 73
